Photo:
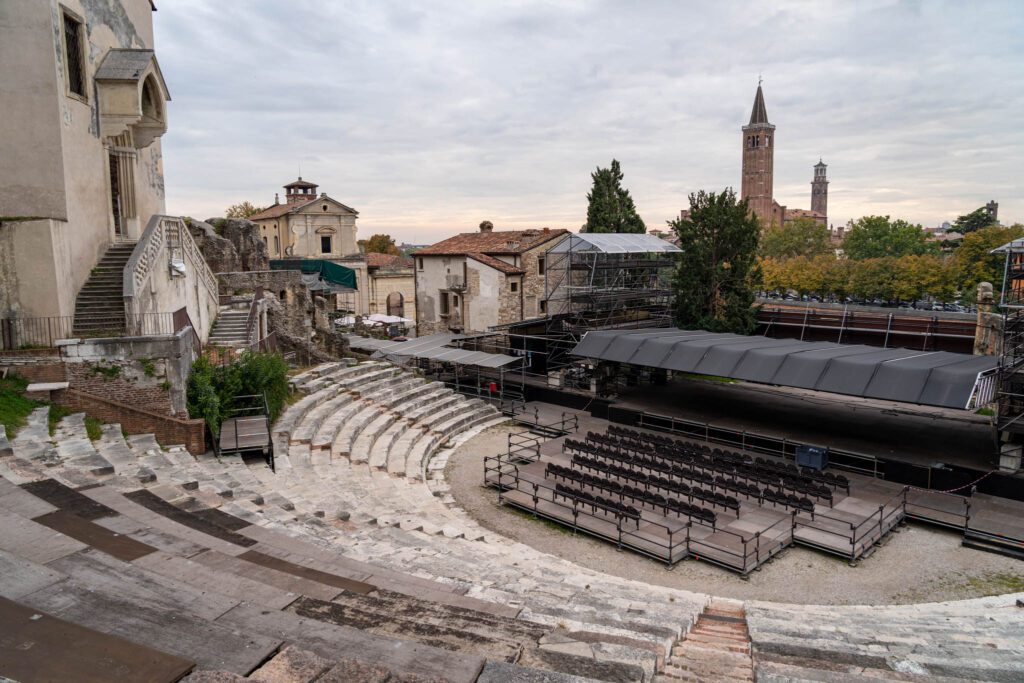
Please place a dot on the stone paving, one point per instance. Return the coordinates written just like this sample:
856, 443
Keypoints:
450, 600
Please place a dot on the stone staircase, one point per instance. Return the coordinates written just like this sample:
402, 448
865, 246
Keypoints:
99, 307
230, 327
342, 566
717, 648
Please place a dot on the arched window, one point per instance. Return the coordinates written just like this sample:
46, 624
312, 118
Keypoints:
277, 244
151, 100
396, 304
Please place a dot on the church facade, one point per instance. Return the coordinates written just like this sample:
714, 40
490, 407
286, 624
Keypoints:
758, 176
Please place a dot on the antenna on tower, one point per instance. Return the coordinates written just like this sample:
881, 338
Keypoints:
759, 79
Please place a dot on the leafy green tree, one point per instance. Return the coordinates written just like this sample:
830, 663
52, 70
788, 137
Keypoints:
718, 273
974, 261
380, 244
801, 237
610, 208
878, 236
242, 210
213, 389
975, 220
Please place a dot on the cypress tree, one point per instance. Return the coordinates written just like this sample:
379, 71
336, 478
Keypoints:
610, 208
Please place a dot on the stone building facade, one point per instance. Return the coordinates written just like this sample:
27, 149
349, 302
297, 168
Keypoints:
307, 225
474, 281
315, 226
84, 107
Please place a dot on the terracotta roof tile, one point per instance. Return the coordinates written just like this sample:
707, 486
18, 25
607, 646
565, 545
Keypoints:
500, 242
375, 260
278, 210
497, 264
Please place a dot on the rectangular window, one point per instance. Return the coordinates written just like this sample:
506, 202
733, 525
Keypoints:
419, 264
544, 306
514, 286
74, 55
325, 244
540, 266
444, 303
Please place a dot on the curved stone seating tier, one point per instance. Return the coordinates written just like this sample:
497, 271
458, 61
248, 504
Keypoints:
320, 520
168, 571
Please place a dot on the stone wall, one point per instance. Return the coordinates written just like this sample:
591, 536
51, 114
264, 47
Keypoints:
135, 420
988, 334
148, 372
124, 381
230, 244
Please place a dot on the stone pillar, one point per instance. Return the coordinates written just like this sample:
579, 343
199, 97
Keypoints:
988, 335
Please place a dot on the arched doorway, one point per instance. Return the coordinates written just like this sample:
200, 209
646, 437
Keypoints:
396, 304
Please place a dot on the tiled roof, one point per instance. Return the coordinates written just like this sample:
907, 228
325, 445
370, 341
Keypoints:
375, 260
275, 211
278, 210
499, 242
803, 213
497, 264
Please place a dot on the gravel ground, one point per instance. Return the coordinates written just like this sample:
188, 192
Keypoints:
931, 559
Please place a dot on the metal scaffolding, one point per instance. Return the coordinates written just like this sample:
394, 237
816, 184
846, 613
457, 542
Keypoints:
610, 281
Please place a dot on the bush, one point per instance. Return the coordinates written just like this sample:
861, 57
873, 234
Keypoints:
213, 390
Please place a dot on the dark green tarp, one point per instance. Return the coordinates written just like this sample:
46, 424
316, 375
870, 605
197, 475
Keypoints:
327, 270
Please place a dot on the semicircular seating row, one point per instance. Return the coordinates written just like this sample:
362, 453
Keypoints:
355, 513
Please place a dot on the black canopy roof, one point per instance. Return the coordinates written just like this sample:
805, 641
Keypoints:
936, 378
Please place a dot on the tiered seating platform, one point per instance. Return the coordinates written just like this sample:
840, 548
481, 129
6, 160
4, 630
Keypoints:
671, 499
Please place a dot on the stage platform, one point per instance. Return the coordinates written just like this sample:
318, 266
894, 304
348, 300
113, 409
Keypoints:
740, 541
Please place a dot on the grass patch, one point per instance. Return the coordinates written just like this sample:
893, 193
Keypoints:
57, 413
997, 583
985, 411
94, 428
14, 405
708, 378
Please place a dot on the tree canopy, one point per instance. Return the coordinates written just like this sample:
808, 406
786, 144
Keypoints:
800, 237
878, 236
242, 210
975, 220
610, 208
718, 272
380, 244
976, 264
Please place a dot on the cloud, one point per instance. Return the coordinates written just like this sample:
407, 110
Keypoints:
429, 118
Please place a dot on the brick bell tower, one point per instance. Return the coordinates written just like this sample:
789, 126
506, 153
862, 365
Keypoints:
819, 189
758, 160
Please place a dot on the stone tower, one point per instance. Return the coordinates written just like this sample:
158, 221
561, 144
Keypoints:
819, 190
758, 160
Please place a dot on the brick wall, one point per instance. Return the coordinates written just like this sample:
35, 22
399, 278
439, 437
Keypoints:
131, 386
38, 372
168, 430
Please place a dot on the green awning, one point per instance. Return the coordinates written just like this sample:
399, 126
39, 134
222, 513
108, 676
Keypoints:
328, 271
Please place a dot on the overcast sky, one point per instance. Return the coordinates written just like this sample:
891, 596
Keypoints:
429, 117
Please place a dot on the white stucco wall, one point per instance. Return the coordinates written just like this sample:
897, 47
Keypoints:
55, 160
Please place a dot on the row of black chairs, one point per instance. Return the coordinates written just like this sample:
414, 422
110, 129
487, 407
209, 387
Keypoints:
712, 497
637, 494
625, 464
768, 476
837, 481
594, 501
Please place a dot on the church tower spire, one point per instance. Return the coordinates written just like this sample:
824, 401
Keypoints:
758, 160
